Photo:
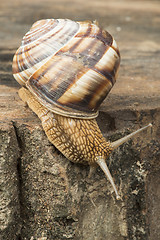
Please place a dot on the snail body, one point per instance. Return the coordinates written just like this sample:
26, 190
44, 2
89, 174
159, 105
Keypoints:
80, 140
66, 69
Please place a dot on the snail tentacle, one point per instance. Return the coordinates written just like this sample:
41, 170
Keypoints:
92, 170
101, 162
120, 141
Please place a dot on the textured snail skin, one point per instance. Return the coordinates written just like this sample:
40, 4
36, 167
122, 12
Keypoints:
80, 140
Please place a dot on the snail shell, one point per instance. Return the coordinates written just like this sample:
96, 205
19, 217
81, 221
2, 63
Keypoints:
69, 66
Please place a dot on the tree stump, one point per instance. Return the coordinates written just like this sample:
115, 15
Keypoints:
42, 194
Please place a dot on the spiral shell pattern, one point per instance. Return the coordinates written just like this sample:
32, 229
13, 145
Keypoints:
69, 66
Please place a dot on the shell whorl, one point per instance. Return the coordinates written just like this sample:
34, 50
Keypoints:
69, 66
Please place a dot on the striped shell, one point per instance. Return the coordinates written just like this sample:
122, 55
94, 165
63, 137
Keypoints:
69, 66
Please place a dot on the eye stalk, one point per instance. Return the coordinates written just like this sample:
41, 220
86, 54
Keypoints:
101, 161
119, 142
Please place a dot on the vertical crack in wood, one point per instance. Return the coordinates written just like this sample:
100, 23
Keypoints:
19, 174
10, 224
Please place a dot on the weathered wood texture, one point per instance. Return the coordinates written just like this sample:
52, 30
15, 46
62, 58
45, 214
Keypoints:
42, 194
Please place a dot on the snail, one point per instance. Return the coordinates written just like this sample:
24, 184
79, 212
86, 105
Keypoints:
66, 69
